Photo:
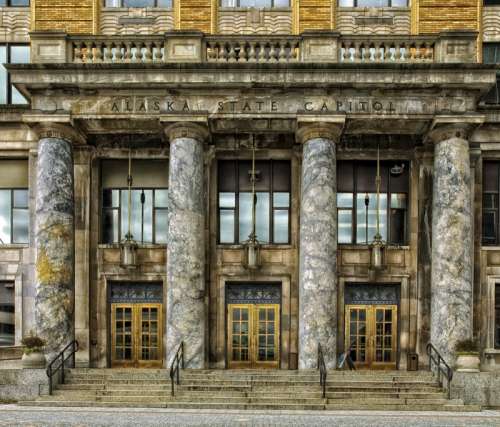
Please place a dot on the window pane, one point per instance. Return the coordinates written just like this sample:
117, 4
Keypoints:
363, 233
398, 201
280, 226
19, 55
490, 201
164, 3
281, 200
227, 200
398, 220
255, 3
344, 200
19, 3
399, 3
148, 216
138, 3
5, 209
161, 223
489, 228
20, 223
110, 226
497, 316
281, 3
226, 224
228, 3
262, 217
112, 3
20, 198
7, 314
136, 222
110, 198
346, 3
345, 226
161, 198
3, 3
3, 75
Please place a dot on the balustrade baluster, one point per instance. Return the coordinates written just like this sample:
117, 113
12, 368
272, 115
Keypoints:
148, 53
282, 56
108, 51
261, 56
88, 52
98, 54
231, 57
252, 54
78, 52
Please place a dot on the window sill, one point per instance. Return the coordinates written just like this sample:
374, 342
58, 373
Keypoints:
275, 247
126, 9
351, 246
490, 248
379, 9
139, 246
14, 245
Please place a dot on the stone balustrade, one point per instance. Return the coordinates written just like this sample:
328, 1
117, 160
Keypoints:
380, 49
308, 47
253, 50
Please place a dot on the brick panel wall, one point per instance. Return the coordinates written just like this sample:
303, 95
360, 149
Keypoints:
72, 16
438, 15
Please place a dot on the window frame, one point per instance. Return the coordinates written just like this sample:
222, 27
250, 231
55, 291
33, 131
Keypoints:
142, 7
389, 193
495, 209
8, 46
272, 208
389, 4
487, 3
8, 3
12, 207
119, 209
496, 315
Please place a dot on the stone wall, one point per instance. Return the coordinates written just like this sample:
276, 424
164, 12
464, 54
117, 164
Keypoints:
22, 384
373, 21
481, 388
254, 21
491, 24
114, 21
14, 24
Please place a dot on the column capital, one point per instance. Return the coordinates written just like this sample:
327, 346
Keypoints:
448, 127
60, 131
197, 131
319, 127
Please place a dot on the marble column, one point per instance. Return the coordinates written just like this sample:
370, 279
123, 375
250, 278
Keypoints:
318, 247
54, 242
451, 277
186, 313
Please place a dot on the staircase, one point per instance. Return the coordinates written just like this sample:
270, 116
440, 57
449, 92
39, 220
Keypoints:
252, 389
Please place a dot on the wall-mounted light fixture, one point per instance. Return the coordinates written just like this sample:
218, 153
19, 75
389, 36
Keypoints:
252, 245
377, 247
128, 246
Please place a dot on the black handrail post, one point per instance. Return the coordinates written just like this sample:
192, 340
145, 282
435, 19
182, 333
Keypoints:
62, 368
73, 345
182, 354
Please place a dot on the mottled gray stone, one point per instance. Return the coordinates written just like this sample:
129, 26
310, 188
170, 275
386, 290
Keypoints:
54, 240
451, 288
186, 253
22, 384
318, 254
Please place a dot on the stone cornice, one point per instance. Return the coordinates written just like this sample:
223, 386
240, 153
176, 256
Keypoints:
60, 131
197, 131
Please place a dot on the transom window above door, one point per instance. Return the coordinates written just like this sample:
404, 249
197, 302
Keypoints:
258, 4
272, 201
357, 201
149, 201
373, 3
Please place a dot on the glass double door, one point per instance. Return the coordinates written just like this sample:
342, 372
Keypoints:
371, 334
136, 335
253, 335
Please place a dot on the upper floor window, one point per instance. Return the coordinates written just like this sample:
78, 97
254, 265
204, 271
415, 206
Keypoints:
11, 54
373, 3
491, 202
273, 188
357, 201
7, 315
259, 4
491, 2
491, 53
14, 3
149, 201
14, 206
138, 3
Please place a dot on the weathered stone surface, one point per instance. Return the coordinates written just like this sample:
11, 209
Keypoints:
54, 240
451, 288
318, 254
186, 253
22, 384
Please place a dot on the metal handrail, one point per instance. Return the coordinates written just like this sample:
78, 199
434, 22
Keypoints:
322, 370
174, 367
51, 370
442, 367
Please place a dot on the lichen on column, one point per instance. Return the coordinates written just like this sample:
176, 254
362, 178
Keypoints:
318, 254
54, 241
186, 252
451, 287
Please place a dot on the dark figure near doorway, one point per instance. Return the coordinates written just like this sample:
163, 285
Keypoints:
346, 358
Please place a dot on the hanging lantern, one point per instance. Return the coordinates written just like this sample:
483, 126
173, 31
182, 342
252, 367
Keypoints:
377, 246
128, 247
252, 245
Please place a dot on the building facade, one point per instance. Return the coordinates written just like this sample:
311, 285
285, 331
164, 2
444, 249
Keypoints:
252, 178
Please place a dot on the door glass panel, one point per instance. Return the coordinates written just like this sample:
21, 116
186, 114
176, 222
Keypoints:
384, 339
357, 334
240, 339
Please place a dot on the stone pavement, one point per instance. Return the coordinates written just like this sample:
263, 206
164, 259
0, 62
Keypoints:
13, 415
